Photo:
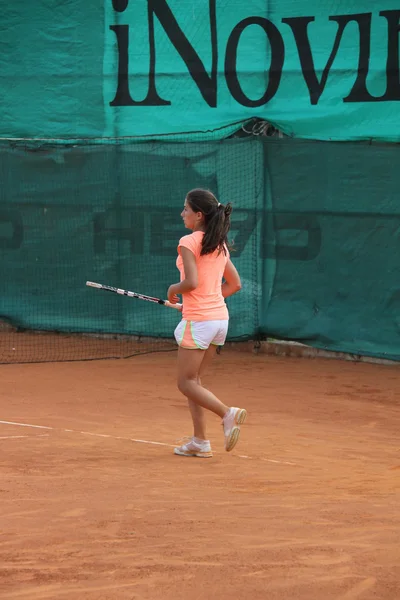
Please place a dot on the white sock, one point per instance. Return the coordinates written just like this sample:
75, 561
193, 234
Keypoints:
228, 413
200, 442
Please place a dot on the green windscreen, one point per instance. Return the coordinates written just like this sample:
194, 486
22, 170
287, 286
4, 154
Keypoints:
315, 227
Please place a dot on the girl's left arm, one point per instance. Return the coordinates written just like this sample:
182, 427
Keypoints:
190, 282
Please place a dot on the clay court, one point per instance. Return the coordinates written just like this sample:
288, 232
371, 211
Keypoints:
95, 506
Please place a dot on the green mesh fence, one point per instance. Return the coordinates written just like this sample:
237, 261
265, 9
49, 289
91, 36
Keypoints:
315, 226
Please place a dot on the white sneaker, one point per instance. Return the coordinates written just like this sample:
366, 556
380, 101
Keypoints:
231, 424
195, 449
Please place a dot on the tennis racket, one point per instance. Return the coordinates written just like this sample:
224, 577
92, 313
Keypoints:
115, 290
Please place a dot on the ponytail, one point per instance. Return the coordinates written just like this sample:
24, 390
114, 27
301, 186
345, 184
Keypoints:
217, 228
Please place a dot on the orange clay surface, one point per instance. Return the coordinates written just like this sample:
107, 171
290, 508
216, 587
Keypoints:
307, 506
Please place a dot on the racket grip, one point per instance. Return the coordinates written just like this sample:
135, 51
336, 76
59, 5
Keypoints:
170, 305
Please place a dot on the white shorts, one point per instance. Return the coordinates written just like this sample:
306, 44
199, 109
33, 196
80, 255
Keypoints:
198, 335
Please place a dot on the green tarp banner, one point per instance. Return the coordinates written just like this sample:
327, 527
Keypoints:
316, 231
150, 68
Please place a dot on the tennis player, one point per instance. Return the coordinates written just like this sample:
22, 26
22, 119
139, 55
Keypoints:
207, 277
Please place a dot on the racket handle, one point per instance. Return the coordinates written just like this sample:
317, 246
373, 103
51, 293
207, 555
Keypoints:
170, 305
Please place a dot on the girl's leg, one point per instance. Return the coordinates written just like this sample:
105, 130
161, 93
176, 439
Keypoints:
197, 412
189, 365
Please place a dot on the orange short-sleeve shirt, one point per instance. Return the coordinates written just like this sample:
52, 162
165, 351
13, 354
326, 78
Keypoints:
206, 302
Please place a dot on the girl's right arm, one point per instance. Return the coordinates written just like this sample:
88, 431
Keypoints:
232, 283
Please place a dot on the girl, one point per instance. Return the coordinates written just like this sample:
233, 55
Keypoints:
203, 262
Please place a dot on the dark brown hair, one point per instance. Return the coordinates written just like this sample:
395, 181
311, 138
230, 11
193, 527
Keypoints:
217, 219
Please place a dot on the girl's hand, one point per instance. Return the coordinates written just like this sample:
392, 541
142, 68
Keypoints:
172, 294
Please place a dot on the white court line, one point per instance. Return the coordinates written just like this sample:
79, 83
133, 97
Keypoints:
88, 433
278, 462
15, 437
119, 438
102, 435
155, 443
25, 425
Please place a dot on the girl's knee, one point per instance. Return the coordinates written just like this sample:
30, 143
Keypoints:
185, 385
